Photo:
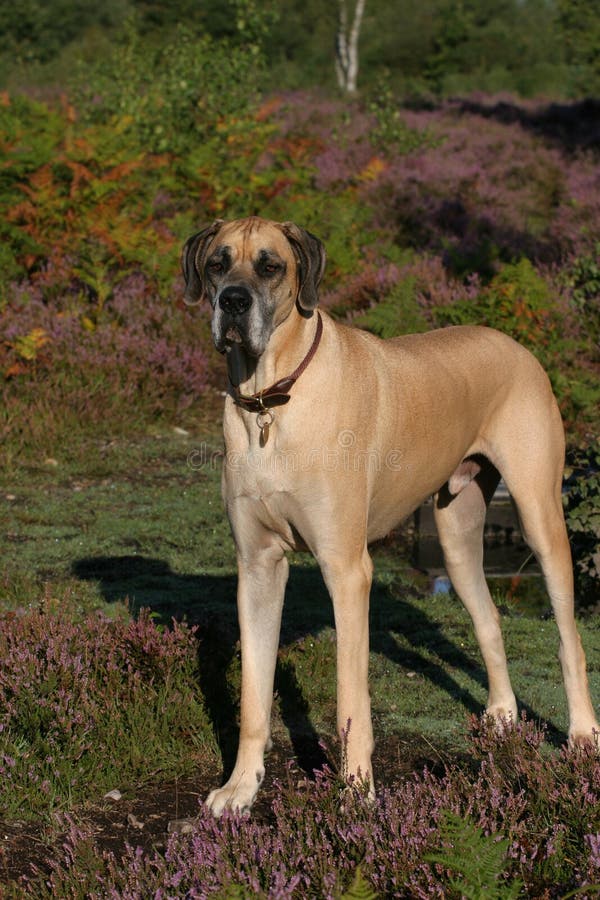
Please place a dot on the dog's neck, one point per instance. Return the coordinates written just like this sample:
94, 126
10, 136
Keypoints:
287, 347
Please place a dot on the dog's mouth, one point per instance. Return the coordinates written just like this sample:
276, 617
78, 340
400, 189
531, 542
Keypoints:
233, 336
239, 332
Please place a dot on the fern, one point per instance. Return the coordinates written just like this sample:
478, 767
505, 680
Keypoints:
233, 892
398, 312
360, 889
477, 859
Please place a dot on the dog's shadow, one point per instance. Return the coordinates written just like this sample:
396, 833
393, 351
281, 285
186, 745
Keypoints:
209, 601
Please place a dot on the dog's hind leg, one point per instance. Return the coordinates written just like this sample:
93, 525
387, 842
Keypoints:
542, 522
459, 511
529, 448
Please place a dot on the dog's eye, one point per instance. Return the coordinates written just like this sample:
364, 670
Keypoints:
215, 267
270, 268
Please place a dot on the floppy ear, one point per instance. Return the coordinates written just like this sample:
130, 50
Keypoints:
311, 257
192, 263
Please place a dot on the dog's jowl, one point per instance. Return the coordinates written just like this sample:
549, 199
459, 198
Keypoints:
333, 437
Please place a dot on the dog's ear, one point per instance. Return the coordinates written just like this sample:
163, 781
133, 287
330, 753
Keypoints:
192, 263
311, 258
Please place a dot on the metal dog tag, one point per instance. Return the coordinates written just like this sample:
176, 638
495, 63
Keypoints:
264, 420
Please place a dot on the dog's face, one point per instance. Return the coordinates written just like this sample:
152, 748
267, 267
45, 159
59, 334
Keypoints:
253, 272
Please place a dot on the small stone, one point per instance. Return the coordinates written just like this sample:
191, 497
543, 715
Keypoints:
113, 795
181, 826
134, 822
180, 431
50, 461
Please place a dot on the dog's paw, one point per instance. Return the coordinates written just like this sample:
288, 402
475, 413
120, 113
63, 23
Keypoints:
504, 716
585, 737
360, 792
237, 795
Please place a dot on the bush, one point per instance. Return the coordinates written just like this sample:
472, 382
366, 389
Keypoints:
582, 275
397, 313
90, 705
582, 512
82, 366
168, 96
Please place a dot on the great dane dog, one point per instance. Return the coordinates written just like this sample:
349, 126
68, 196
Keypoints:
333, 437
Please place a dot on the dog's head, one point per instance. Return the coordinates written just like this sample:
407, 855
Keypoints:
253, 272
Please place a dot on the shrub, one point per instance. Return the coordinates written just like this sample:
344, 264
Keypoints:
517, 301
583, 277
397, 313
582, 512
87, 706
168, 96
486, 188
97, 195
82, 367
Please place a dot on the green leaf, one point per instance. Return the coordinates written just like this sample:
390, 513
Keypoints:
360, 889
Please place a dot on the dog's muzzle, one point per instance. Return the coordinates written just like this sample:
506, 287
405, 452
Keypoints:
232, 318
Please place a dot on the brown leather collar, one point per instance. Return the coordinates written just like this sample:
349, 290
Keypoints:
278, 394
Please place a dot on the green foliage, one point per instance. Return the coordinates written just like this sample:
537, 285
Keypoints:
519, 45
391, 133
38, 30
254, 22
169, 96
582, 513
79, 196
30, 135
583, 277
453, 36
478, 860
495, 46
360, 889
528, 46
397, 313
580, 25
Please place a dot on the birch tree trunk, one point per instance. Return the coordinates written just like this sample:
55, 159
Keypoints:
346, 47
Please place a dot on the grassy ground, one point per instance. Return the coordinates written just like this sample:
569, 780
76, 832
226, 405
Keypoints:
118, 526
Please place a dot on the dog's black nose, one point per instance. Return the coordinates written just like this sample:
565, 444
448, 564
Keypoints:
235, 300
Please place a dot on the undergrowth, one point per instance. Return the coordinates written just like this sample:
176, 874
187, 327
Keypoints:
91, 704
516, 819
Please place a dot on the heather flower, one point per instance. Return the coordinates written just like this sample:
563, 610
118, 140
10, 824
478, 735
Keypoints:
319, 831
79, 700
593, 843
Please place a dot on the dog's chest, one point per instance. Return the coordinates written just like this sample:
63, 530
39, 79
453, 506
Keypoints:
257, 472
267, 482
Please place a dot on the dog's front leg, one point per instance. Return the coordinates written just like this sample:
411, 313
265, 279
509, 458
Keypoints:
262, 576
349, 584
